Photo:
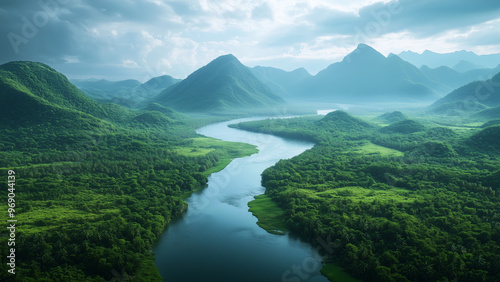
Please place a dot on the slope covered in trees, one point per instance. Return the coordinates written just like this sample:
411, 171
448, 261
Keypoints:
427, 214
92, 195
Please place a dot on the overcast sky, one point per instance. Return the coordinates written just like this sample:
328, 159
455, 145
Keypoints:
140, 39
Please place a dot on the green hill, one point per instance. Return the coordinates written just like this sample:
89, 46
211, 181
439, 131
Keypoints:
490, 123
486, 140
391, 117
404, 127
53, 87
20, 107
489, 113
457, 108
342, 121
223, 85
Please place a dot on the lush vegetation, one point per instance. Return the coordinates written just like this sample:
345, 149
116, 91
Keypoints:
96, 184
270, 216
424, 208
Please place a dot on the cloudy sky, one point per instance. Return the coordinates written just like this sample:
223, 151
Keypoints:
140, 39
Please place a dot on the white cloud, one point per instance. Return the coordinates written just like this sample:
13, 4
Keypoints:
176, 37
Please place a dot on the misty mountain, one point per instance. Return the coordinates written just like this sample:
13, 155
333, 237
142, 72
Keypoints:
491, 113
223, 85
365, 75
465, 66
284, 83
454, 79
485, 92
130, 93
435, 60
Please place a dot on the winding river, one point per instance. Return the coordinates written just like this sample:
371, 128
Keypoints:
217, 239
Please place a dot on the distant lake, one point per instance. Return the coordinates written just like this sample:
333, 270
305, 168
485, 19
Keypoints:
217, 239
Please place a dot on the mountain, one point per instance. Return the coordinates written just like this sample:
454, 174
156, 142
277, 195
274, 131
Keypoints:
225, 84
103, 84
38, 84
365, 75
490, 113
34, 95
458, 108
454, 79
340, 121
129, 93
159, 83
391, 117
465, 66
284, 83
485, 92
435, 60
491, 122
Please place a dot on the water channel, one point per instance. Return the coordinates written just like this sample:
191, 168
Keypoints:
217, 239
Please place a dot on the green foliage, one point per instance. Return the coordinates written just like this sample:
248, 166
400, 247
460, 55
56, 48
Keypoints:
404, 127
340, 121
391, 117
490, 123
96, 184
270, 216
486, 140
428, 215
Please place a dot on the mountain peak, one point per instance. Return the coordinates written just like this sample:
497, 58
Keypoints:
223, 85
364, 53
226, 58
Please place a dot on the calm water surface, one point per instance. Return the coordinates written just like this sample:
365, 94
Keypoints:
217, 239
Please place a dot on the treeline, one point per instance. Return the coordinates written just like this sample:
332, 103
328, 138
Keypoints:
430, 215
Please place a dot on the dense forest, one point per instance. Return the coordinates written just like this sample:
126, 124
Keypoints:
409, 201
95, 184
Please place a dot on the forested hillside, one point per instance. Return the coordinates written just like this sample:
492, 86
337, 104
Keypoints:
392, 205
95, 184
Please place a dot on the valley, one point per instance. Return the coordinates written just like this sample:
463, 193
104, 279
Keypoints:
124, 179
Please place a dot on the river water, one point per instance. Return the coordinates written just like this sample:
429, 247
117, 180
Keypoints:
217, 239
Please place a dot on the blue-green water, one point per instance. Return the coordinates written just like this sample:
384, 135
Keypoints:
218, 239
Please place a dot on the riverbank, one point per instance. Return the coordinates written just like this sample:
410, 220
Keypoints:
219, 235
270, 216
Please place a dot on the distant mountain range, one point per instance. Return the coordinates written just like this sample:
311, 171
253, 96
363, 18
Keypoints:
282, 82
460, 60
364, 76
35, 95
473, 97
454, 79
130, 93
223, 85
